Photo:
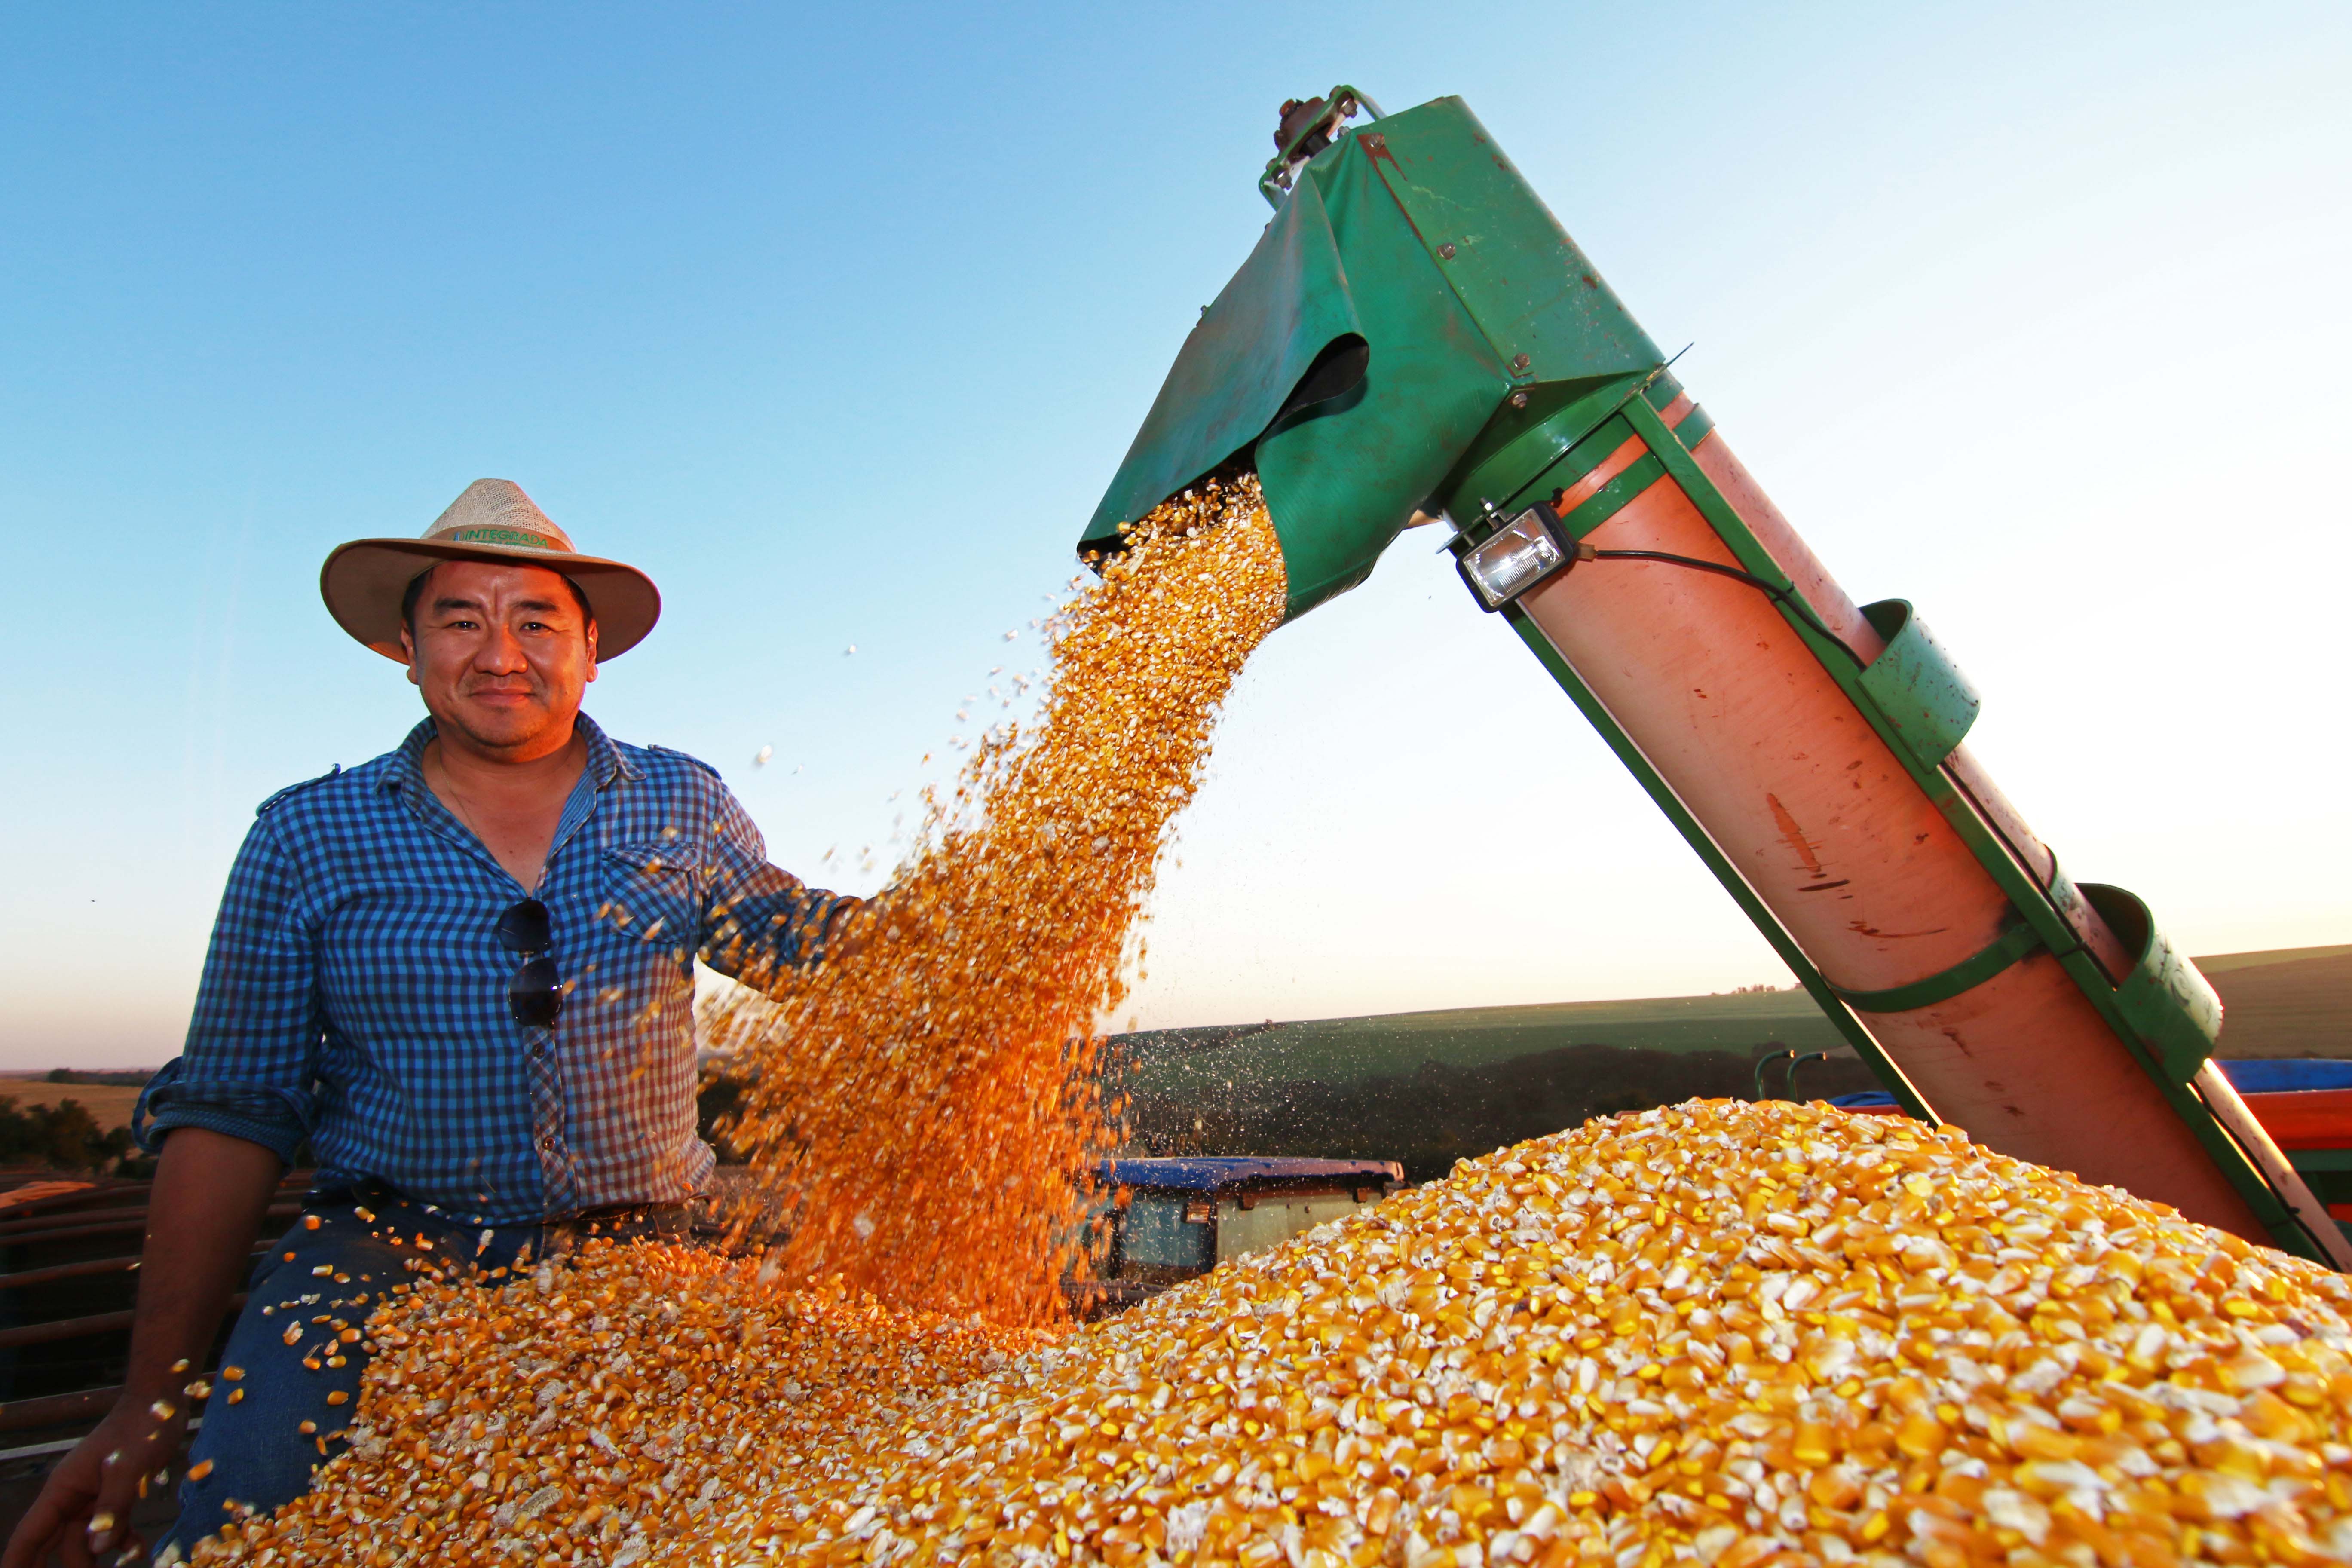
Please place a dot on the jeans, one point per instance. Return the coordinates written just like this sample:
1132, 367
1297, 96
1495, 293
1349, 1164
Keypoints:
345, 1253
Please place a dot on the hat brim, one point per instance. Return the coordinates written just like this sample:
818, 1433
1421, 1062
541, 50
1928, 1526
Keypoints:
365, 580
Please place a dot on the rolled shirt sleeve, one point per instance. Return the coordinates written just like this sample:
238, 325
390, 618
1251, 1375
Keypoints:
764, 922
250, 1064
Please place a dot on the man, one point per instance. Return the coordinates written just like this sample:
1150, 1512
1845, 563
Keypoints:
464, 973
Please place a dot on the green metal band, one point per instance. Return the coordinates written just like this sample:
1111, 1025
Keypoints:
2177, 1013
1997, 955
1572, 463
1637, 477
1613, 498
1916, 685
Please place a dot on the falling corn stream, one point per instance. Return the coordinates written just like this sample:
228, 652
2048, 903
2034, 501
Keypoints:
923, 1117
1743, 1336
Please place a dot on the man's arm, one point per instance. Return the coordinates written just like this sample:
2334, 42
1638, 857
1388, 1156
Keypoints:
765, 924
211, 1193
252, 1056
229, 1113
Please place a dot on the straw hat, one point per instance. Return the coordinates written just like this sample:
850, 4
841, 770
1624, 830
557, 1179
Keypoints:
362, 582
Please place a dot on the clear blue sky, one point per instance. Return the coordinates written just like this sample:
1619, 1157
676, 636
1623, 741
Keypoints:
837, 320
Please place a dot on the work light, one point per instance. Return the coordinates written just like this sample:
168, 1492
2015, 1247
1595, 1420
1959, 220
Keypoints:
1516, 556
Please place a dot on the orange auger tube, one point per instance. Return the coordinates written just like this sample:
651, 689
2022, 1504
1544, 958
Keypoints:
1741, 719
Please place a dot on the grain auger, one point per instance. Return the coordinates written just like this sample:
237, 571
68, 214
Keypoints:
1415, 339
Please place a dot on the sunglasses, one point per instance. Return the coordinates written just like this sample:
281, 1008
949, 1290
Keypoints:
535, 994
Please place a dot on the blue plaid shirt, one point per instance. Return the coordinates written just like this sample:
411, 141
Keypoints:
355, 992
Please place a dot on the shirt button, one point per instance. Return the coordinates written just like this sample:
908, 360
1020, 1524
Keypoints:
538, 1047
548, 1144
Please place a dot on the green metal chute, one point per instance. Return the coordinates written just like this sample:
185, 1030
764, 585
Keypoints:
1374, 340
1281, 331
1343, 477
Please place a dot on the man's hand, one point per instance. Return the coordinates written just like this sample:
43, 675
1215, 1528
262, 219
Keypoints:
853, 925
84, 1509
211, 1192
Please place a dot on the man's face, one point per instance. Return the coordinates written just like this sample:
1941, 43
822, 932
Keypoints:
501, 654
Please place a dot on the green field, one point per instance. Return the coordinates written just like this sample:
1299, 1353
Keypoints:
1348, 1050
2229, 962
2292, 1002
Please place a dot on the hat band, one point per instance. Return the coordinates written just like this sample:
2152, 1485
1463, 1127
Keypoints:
508, 536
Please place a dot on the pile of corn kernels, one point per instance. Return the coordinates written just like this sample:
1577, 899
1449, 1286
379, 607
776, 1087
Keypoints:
1726, 1334
601, 1404
924, 1118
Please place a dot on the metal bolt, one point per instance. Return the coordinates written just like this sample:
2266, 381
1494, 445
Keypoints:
1520, 362
1518, 400
1445, 251
1374, 140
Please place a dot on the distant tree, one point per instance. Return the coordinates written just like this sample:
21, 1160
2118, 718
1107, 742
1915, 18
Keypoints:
64, 1136
72, 1137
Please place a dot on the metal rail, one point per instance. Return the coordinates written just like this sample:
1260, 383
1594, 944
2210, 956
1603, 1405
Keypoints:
25, 1279
91, 1194
56, 1409
135, 1225
81, 1327
37, 1212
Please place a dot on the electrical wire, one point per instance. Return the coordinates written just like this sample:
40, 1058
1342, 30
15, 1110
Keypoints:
1786, 596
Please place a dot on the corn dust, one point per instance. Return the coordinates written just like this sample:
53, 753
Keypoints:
1724, 1333
923, 1117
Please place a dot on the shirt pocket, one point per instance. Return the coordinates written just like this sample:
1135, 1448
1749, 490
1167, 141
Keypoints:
654, 892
